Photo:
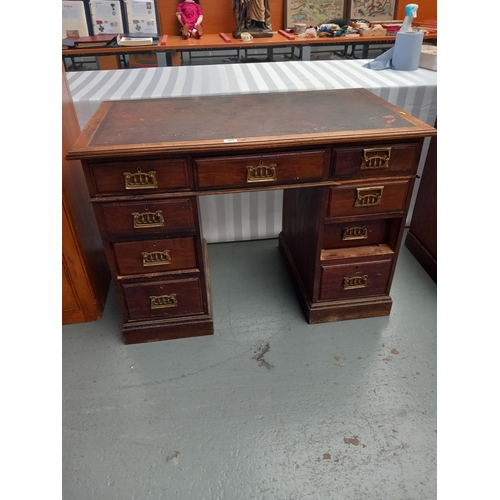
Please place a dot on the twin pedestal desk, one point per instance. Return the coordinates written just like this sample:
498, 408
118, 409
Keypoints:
346, 161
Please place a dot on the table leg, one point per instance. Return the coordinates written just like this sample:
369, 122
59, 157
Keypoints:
161, 59
306, 52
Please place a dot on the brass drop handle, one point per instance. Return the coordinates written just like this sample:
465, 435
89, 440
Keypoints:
354, 233
163, 301
369, 196
375, 158
355, 282
140, 180
146, 220
261, 173
156, 258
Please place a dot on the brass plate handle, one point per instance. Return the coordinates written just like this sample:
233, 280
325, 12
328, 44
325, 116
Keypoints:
146, 220
163, 301
261, 173
375, 158
354, 233
369, 196
355, 282
140, 180
156, 258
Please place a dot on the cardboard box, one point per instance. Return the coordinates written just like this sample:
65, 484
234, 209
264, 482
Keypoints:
428, 57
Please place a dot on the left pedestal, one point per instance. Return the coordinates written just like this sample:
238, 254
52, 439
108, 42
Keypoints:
154, 247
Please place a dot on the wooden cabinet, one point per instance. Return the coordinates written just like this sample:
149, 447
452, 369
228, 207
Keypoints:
85, 274
421, 239
346, 161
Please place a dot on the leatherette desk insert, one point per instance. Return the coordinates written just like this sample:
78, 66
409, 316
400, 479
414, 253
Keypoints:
346, 161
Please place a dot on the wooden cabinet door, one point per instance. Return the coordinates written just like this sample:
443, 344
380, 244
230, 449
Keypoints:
85, 275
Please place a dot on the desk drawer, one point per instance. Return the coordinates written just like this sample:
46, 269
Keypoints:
376, 160
260, 170
150, 217
163, 299
362, 233
155, 256
359, 279
139, 176
368, 198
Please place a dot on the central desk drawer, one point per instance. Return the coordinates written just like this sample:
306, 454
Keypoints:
148, 217
155, 256
368, 198
139, 176
163, 298
259, 170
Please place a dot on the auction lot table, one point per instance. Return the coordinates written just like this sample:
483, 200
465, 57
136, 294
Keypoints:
254, 215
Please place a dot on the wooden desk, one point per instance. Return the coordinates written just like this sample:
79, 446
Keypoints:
347, 169
166, 54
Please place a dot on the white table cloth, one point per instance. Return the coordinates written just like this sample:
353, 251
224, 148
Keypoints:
254, 215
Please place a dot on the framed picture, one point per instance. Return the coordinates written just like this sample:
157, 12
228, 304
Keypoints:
373, 10
313, 12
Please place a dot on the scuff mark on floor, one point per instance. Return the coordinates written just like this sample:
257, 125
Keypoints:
354, 440
258, 355
173, 456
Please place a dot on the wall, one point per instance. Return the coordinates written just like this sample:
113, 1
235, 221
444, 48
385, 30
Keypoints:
427, 9
218, 14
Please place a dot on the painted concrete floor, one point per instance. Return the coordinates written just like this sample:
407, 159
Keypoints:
267, 408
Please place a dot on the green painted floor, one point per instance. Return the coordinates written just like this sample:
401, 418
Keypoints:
267, 408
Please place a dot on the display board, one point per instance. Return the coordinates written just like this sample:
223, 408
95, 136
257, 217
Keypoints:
74, 19
313, 12
141, 17
384, 10
317, 12
106, 16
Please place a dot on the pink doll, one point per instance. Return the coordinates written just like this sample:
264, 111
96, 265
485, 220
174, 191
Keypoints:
190, 17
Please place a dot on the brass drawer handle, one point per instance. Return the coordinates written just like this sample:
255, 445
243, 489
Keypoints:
140, 180
354, 233
163, 301
355, 282
156, 258
261, 173
369, 196
375, 158
148, 219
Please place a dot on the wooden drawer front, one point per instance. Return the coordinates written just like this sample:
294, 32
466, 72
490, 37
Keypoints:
259, 170
354, 280
376, 160
363, 199
139, 177
155, 256
148, 217
163, 298
350, 234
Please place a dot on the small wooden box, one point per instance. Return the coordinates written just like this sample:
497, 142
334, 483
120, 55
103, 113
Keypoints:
371, 32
